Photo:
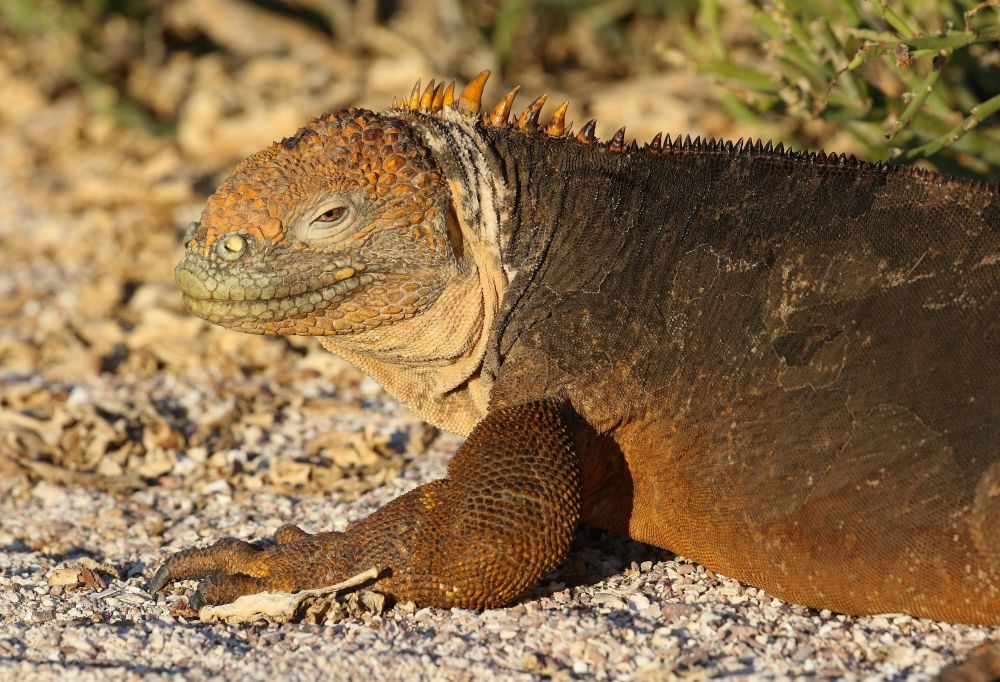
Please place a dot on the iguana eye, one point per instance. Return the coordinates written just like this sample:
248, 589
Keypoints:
332, 215
331, 221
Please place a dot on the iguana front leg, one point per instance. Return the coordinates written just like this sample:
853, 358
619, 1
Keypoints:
503, 517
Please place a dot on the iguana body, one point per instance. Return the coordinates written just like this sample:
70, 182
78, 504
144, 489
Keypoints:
784, 366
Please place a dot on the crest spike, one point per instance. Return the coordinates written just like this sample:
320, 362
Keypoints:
528, 120
502, 110
557, 124
586, 134
449, 95
414, 102
427, 98
471, 98
437, 101
393, 105
656, 143
617, 143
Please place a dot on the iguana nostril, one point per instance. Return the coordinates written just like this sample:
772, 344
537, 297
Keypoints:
189, 233
231, 247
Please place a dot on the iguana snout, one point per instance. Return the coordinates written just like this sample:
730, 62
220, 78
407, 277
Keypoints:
338, 229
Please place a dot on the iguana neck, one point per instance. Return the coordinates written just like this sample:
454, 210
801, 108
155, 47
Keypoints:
432, 362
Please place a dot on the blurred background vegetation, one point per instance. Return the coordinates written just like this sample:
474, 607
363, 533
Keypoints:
893, 80
903, 79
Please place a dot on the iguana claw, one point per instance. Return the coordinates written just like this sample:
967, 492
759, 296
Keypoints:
159, 579
196, 600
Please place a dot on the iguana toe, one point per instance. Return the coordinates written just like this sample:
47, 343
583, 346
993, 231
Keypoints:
159, 579
228, 555
222, 588
196, 600
289, 533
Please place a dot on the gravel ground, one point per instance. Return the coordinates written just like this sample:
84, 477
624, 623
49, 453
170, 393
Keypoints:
617, 609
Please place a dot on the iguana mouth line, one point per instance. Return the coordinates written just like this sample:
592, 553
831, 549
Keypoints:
223, 311
341, 287
235, 290
273, 309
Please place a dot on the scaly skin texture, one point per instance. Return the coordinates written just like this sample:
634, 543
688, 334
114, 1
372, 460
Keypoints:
782, 365
299, 276
455, 542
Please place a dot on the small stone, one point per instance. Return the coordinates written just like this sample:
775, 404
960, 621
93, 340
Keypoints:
638, 602
607, 600
65, 576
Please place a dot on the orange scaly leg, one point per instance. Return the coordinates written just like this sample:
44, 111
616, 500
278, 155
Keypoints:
503, 517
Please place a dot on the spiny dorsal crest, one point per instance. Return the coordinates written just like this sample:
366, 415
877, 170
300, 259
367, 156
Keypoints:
436, 97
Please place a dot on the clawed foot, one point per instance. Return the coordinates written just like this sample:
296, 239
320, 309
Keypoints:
232, 568
477, 539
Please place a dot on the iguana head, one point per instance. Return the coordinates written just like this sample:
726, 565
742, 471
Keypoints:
357, 221
340, 228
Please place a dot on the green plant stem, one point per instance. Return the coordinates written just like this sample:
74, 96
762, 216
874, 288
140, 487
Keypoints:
953, 40
878, 44
852, 84
919, 97
976, 116
894, 20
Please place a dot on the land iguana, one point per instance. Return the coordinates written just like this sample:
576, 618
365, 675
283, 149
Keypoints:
783, 365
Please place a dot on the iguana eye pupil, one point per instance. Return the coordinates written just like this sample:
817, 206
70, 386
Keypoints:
332, 215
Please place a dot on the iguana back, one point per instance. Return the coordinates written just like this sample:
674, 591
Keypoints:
798, 358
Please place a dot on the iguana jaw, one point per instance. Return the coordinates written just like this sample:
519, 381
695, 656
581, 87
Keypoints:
243, 304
